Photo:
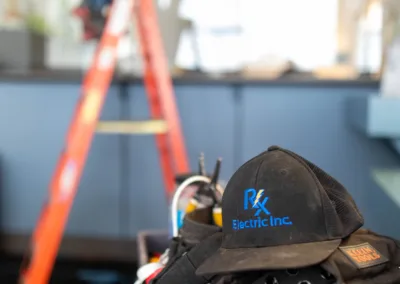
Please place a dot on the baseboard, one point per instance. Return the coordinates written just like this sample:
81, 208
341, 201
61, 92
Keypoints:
79, 248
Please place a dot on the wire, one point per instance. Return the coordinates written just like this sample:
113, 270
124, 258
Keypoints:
177, 195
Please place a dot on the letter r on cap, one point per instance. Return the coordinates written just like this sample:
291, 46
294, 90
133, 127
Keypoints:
249, 196
249, 199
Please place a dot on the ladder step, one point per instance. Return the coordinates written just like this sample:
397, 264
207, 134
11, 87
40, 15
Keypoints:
132, 127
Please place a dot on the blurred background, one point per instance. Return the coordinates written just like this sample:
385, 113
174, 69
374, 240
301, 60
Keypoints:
327, 39
321, 78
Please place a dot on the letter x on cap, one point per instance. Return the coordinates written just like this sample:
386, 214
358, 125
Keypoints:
279, 212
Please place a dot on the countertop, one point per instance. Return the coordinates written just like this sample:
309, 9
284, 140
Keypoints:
191, 78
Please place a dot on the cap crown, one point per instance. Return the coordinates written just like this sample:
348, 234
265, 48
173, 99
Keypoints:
276, 199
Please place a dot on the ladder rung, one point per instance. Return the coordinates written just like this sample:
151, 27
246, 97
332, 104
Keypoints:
132, 127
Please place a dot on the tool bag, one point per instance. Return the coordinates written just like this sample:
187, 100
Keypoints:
197, 241
309, 275
197, 226
182, 268
363, 258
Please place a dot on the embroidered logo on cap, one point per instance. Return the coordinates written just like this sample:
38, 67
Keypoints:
363, 255
256, 201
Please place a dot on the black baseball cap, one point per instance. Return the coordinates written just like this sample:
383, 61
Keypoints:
278, 215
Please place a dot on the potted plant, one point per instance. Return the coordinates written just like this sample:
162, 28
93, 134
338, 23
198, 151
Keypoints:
23, 40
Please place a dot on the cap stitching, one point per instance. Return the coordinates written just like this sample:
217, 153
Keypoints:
279, 245
258, 170
316, 181
252, 159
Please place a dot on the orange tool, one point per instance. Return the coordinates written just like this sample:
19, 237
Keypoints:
47, 236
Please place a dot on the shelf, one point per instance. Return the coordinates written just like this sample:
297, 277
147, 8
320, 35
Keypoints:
193, 78
377, 117
389, 181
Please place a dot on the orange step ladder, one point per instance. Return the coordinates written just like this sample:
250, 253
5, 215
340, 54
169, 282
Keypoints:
46, 239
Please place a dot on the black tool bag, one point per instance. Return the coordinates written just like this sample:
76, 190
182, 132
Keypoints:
197, 241
182, 269
362, 258
309, 275
197, 226
365, 258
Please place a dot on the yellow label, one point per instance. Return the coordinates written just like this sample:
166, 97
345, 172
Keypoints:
217, 216
191, 206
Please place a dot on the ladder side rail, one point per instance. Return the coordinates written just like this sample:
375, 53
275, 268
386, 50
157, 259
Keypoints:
150, 83
149, 24
63, 186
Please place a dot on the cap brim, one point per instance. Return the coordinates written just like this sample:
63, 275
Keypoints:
268, 258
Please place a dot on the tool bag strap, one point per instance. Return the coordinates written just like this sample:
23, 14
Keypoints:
176, 249
183, 269
197, 226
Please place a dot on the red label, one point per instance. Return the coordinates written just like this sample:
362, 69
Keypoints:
153, 275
